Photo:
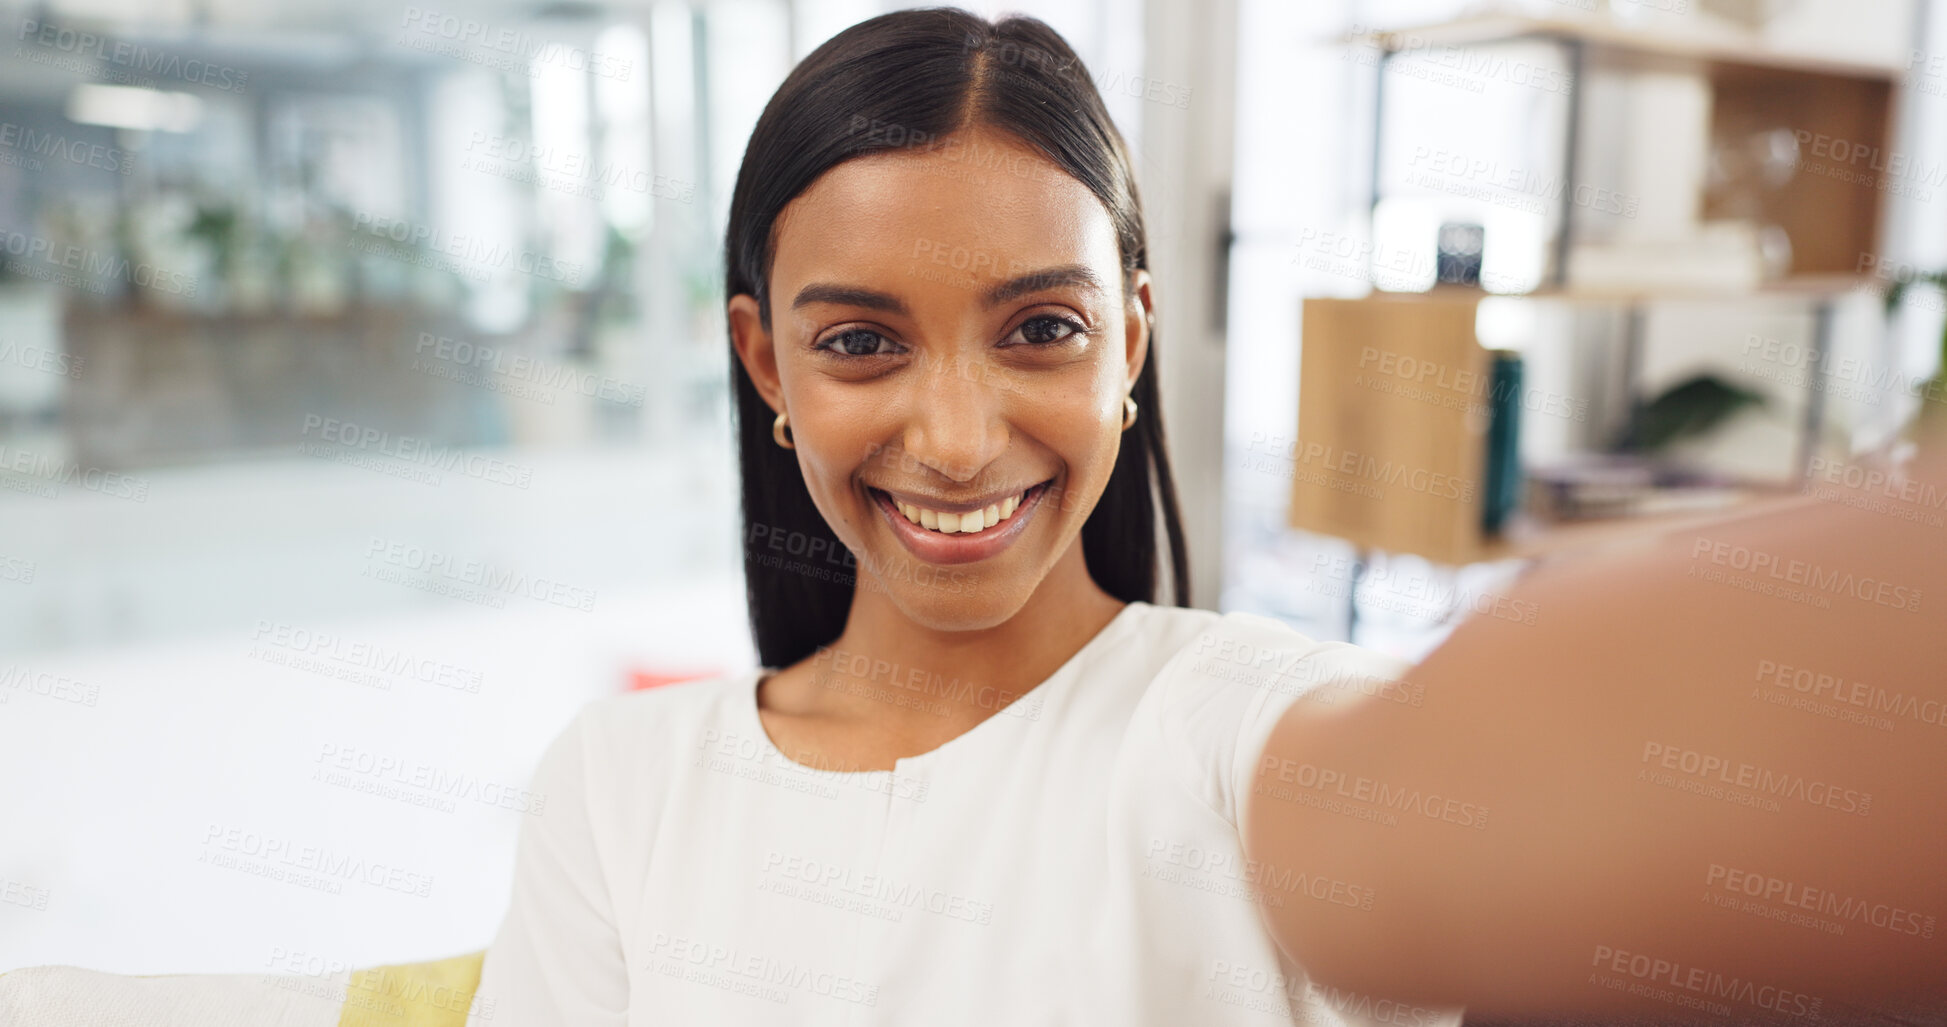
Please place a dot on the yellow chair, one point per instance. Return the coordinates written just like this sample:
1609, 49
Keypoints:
439, 993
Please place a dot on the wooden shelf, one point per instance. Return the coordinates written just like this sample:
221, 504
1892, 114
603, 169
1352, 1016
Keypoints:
1527, 538
1809, 286
1729, 48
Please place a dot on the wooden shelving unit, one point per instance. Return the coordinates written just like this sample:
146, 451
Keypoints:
1830, 220
1726, 49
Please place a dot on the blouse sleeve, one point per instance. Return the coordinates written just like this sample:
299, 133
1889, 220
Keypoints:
1187, 897
1227, 689
1326, 673
557, 958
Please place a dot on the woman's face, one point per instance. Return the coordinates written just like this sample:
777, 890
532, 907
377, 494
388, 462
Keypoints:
952, 342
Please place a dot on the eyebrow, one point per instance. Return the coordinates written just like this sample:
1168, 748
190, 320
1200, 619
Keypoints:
1076, 275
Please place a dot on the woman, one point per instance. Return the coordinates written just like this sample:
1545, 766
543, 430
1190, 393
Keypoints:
980, 778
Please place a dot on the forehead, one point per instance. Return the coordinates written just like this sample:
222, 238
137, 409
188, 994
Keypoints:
977, 206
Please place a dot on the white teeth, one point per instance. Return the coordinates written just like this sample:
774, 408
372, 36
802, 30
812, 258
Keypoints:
958, 523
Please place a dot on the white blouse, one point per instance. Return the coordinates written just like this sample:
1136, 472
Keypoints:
1073, 859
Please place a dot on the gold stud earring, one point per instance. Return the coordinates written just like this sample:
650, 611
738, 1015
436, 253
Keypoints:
1128, 412
780, 430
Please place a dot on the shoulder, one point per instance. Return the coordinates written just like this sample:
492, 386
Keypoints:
1203, 649
664, 707
612, 740
1167, 629
1260, 654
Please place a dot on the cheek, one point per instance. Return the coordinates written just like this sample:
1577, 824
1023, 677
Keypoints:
834, 444
1076, 424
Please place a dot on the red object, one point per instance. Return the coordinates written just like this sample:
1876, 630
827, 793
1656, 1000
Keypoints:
641, 679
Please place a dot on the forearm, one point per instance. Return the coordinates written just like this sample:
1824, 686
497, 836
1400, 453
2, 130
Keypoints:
1642, 764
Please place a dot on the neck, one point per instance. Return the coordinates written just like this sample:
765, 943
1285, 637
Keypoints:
985, 668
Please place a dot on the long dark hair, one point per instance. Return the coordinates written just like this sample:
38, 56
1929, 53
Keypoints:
908, 79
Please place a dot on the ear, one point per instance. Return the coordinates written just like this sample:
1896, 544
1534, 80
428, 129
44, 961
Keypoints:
1137, 315
755, 349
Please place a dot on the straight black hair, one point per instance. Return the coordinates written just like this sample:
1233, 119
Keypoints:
909, 79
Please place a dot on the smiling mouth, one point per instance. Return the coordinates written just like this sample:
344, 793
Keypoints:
972, 522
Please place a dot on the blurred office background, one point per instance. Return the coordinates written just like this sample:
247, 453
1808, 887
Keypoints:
310, 311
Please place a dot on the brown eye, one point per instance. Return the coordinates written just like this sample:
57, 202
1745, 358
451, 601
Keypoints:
1041, 331
857, 342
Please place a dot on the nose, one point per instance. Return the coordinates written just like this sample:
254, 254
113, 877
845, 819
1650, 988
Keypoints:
956, 421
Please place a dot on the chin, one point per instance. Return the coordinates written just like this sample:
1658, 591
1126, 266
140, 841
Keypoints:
951, 598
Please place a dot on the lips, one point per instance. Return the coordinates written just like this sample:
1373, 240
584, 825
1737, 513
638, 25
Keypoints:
965, 534
948, 522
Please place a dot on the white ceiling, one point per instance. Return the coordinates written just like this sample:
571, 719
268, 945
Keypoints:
163, 15
313, 35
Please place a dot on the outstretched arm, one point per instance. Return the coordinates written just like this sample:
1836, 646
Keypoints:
1711, 776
